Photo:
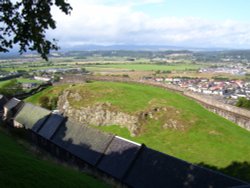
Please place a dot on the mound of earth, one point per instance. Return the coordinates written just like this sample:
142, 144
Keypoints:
105, 113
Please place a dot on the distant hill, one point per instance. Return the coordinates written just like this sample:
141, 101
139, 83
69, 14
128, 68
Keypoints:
134, 47
81, 51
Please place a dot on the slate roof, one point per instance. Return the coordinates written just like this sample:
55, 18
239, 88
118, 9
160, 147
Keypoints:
119, 156
154, 169
84, 142
31, 116
50, 126
12, 103
59, 137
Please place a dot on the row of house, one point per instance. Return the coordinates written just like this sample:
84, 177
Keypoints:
233, 89
237, 70
127, 162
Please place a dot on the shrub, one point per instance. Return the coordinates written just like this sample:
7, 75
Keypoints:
44, 102
53, 103
243, 102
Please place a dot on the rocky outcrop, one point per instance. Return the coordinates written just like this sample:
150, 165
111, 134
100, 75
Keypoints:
99, 114
105, 114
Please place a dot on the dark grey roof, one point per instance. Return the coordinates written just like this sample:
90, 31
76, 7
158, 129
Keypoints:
84, 142
155, 169
50, 126
59, 137
118, 157
32, 116
12, 103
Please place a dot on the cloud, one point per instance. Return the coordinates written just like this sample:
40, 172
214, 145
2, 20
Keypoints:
106, 22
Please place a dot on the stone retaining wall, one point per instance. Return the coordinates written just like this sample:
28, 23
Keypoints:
237, 115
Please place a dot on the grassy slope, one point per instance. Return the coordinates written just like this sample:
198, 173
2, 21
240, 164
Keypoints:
50, 92
209, 138
2, 83
20, 168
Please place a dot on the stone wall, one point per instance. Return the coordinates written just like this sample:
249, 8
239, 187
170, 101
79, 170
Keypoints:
235, 114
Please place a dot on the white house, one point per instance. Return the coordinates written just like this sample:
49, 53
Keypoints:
45, 79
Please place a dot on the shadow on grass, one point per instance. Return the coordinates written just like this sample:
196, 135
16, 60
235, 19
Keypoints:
240, 170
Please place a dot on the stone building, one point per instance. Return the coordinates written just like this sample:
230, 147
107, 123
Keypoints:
10, 109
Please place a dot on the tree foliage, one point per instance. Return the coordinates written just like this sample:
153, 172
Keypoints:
24, 22
44, 102
48, 102
243, 102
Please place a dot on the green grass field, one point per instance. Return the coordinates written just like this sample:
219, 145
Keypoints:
26, 80
21, 168
147, 67
25, 68
206, 137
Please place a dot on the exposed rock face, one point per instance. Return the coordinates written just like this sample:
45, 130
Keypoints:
99, 114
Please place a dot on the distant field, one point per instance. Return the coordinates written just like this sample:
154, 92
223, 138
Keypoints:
148, 67
25, 68
102, 65
21, 168
207, 138
25, 80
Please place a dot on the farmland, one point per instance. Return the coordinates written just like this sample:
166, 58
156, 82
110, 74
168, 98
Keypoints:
147, 67
131, 63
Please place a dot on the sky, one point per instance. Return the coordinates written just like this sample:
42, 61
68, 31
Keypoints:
183, 23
